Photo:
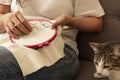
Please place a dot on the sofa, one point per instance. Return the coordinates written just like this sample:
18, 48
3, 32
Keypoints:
110, 32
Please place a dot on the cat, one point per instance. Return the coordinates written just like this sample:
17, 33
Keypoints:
107, 59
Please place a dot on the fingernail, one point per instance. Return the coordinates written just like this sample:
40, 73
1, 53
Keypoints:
53, 21
17, 37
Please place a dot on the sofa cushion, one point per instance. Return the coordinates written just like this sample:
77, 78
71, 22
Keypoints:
87, 70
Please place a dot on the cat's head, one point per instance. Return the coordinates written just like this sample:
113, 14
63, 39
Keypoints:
106, 56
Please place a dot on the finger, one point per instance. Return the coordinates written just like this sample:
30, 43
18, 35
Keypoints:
13, 28
55, 24
61, 20
19, 25
10, 33
24, 21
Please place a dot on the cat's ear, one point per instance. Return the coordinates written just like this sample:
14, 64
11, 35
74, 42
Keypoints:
116, 52
96, 46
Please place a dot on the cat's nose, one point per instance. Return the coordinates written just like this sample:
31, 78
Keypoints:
99, 74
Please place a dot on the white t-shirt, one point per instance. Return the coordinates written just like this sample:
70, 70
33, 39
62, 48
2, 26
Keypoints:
51, 9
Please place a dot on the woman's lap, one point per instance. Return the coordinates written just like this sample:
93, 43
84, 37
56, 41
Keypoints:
9, 69
64, 69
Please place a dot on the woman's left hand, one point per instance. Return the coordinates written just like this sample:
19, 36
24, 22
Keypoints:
61, 20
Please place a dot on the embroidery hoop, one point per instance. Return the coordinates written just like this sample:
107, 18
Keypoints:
49, 35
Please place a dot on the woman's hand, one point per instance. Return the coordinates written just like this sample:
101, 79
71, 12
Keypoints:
61, 20
16, 25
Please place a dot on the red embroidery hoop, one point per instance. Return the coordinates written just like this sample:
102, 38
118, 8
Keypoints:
43, 43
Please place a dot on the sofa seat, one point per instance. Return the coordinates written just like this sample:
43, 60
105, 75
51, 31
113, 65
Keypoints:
87, 70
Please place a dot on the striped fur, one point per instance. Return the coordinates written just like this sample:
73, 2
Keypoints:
107, 59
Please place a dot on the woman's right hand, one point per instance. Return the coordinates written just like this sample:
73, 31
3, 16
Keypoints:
16, 25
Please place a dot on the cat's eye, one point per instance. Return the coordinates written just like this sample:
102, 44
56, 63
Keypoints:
106, 67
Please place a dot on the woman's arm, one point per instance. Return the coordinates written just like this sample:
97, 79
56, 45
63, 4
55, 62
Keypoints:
88, 24
3, 10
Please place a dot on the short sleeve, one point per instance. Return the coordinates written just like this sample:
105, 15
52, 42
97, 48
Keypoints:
6, 2
84, 8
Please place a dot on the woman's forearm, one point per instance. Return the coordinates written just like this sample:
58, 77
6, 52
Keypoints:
88, 24
1, 24
3, 10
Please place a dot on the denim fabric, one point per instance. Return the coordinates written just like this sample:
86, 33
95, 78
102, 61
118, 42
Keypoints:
9, 68
64, 69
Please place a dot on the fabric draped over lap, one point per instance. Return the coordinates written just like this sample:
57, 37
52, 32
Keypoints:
31, 60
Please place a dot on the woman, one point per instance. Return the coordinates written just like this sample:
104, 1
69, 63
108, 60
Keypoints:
72, 15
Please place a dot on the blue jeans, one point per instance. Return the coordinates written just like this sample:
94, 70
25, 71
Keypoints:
64, 69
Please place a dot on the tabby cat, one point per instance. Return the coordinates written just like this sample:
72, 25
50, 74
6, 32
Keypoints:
107, 59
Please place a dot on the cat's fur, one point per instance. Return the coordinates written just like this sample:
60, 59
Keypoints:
107, 59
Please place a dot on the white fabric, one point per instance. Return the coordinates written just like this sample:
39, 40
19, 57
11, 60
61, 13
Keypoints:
31, 60
6, 2
85, 8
